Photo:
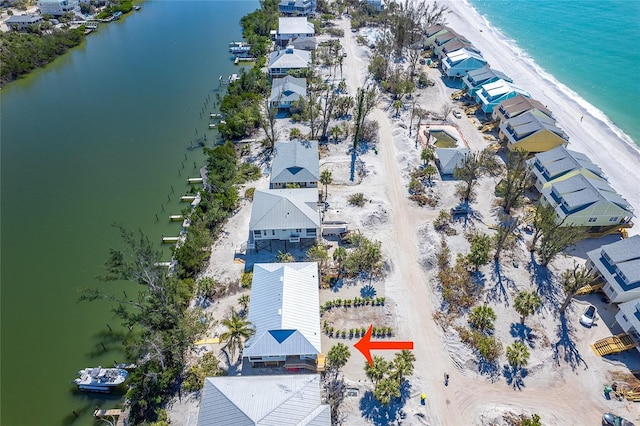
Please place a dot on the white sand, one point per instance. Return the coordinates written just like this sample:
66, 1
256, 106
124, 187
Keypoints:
594, 136
559, 393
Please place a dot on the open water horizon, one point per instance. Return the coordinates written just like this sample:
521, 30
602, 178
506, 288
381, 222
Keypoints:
589, 46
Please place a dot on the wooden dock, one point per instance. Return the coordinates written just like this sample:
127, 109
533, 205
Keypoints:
121, 415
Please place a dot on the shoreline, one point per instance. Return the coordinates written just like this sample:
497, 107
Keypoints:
621, 158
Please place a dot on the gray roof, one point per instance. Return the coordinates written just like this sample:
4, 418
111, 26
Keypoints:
532, 122
286, 400
284, 309
449, 158
285, 209
479, 76
560, 161
23, 19
289, 58
303, 43
445, 37
434, 29
295, 25
295, 161
520, 104
578, 191
453, 45
623, 256
288, 89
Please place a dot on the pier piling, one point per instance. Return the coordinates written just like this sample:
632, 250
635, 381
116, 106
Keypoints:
74, 413
157, 220
103, 346
162, 207
109, 327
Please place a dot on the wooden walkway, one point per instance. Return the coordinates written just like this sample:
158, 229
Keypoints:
613, 344
122, 415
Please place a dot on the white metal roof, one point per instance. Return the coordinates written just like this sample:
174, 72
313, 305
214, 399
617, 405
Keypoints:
285, 209
295, 161
263, 400
289, 58
462, 54
295, 25
284, 309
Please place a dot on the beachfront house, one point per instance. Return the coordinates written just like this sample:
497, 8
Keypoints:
628, 317
297, 7
447, 159
284, 309
618, 264
290, 28
592, 203
455, 45
439, 42
476, 78
291, 399
288, 59
517, 105
22, 22
57, 7
457, 64
295, 164
286, 90
432, 33
491, 94
532, 131
560, 164
289, 215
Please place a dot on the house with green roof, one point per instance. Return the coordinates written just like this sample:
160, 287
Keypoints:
491, 94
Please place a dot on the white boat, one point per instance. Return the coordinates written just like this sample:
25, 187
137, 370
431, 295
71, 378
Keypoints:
98, 379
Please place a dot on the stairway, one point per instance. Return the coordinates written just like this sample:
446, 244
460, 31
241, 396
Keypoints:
613, 344
590, 288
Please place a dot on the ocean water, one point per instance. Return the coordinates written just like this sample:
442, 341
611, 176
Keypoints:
590, 46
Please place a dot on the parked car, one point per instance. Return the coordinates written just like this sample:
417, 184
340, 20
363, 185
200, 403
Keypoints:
609, 419
457, 114
588, 316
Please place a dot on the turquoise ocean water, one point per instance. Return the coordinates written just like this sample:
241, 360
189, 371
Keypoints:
590, 46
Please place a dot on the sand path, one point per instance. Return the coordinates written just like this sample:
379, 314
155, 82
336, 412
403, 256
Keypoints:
467, 397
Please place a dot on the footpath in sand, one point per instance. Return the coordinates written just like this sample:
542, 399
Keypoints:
560, 392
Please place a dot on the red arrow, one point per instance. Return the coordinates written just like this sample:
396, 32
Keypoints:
365, 345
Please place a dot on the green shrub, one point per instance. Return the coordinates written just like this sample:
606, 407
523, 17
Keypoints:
248, 193
246, 279
357, 199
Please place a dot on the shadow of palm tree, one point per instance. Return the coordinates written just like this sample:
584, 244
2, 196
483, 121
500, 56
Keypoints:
565, 348
523, 333
514, 376
368, 291
489, 369
381, 415
498, 292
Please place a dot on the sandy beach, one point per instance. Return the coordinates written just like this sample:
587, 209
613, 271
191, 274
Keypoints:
565, 379
594, 135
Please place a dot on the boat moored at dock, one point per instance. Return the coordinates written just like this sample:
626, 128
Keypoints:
98, 379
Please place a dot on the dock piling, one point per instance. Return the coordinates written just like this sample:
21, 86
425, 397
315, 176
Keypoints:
103, 346
109, 327
157, 220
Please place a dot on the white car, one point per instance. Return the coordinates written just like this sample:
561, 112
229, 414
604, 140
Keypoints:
588, 316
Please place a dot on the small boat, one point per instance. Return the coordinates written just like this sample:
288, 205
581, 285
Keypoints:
117, 15
98, 379
239, 47
136, 7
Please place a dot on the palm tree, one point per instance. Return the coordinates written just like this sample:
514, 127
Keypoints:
427, 155
396, 105
517, 355
326, 178
403, 364
376, 371
239, 329
339, 256
335, 133
243, 301
430, 171
482, 317
295, 133
338, 356
526, 304
284, 257
387, 389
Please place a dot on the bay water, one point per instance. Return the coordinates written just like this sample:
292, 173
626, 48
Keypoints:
591, 46
100, 136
